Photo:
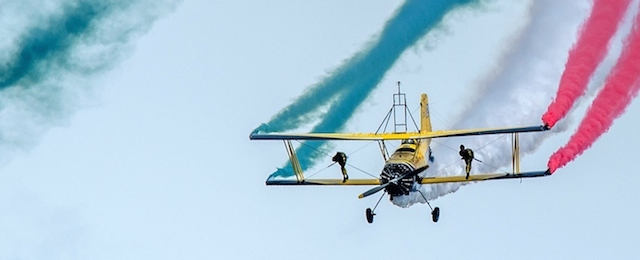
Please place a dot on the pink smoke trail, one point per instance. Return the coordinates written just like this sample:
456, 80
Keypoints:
621, 86
585, 56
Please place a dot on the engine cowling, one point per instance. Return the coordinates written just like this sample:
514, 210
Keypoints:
395, 170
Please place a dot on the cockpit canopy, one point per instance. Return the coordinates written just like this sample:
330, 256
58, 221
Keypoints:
408, 145
406, 149
409, 141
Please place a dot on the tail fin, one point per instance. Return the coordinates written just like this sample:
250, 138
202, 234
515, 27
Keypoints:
425, 125
425, 119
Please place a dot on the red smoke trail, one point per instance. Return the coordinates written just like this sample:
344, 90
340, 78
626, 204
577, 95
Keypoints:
621, 86
585, 56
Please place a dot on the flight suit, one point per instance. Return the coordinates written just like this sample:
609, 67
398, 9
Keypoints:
341, 159
467, 156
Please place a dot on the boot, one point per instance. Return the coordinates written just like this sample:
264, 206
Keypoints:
345, 177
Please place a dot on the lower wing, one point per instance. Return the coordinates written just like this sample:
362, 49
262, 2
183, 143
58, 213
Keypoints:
424, 180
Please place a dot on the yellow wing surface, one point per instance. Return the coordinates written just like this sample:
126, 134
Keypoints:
484, 177
395, 136
425, 180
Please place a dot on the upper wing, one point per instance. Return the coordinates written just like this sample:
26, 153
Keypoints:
395, 136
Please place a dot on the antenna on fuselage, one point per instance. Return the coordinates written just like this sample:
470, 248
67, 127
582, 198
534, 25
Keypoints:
399, 117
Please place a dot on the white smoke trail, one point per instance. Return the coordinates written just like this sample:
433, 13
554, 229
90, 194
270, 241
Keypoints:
517, 93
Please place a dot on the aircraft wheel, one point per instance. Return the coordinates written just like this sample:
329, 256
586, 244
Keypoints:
435, 214
370, 215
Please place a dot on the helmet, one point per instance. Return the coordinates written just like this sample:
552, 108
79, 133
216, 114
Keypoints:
461, 147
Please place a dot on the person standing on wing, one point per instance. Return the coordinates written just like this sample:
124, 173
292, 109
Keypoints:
341, 159
467, 156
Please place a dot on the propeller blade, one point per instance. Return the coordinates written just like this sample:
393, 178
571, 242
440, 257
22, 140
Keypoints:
411, 173
373, 190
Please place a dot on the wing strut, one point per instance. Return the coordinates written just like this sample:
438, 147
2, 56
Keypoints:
515, 153
293, 158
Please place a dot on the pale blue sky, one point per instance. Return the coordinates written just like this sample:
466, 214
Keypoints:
156, 163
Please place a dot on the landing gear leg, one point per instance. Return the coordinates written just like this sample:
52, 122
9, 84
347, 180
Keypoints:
435, 212
370, 212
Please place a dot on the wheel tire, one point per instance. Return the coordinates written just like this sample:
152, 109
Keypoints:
369, 213
435, 214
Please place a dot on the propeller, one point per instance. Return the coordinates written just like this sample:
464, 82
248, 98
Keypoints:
373, 190
395, 180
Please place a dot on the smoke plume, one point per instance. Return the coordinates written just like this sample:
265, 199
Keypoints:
50, 52
515, 94
621, 86
585, 56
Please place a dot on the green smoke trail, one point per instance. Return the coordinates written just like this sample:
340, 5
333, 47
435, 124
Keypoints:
355, 80
48, 58
50, 43
49, 46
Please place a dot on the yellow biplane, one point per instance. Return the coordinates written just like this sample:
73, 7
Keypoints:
399, 176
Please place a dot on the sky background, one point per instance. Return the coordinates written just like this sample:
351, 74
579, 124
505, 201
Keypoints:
155, 162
